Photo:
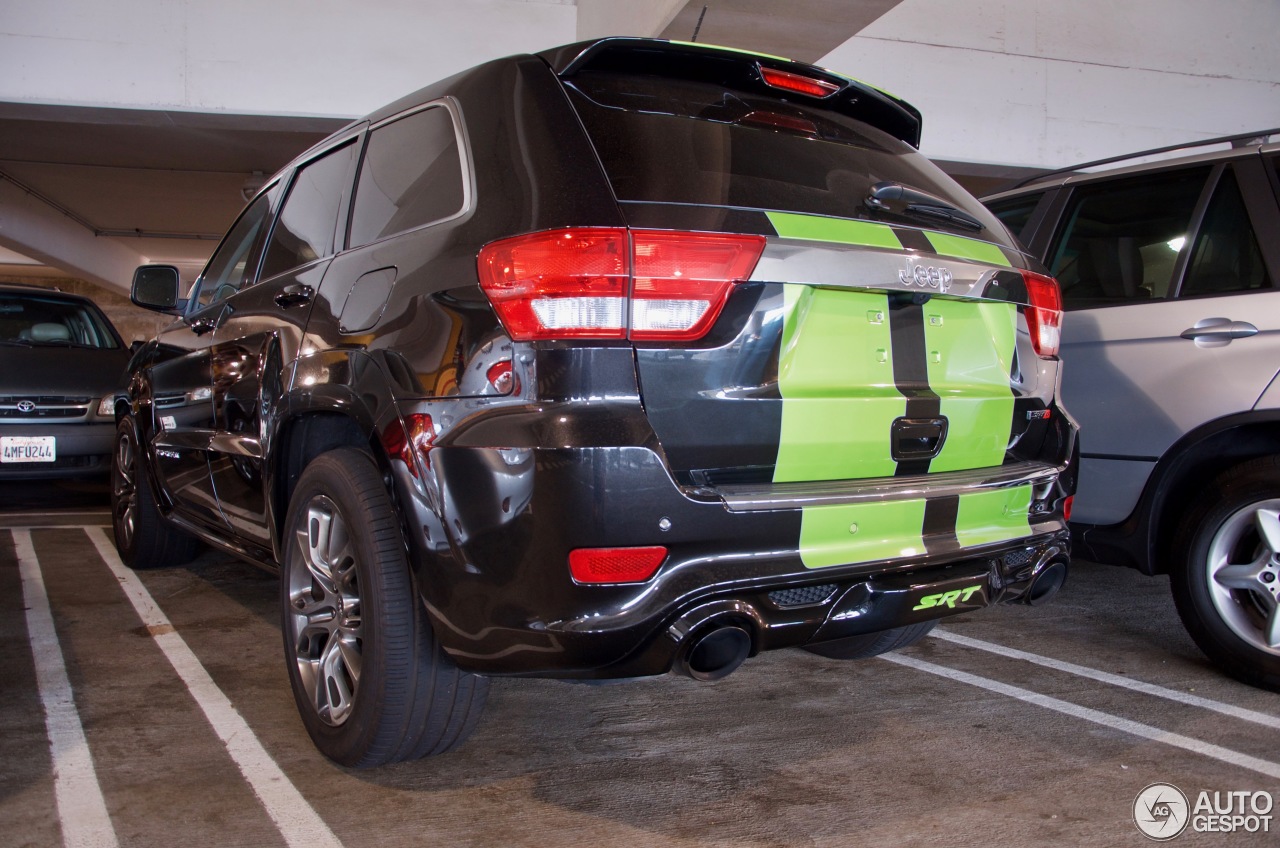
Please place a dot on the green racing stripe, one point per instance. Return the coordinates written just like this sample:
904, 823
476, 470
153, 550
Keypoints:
835, 375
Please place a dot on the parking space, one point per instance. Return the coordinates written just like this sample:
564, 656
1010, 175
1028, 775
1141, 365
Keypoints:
1010, 726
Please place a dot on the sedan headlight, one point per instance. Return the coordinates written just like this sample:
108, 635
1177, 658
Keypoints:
107, 406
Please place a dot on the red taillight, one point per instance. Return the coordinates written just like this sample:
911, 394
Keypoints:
415, 435
682, 280
787, 81
615, 565
605, 283
1066, 507
559, 284
1044, 313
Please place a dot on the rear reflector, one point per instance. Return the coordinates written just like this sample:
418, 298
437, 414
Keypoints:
611, 283
1066, 507
615, 565
1044, 313
787, 81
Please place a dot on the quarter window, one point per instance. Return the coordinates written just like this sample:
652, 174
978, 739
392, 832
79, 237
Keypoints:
411, 176
305, 229
1226, 257
1123, 238
1016, 212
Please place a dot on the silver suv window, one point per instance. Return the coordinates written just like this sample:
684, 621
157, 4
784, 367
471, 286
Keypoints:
1123, 238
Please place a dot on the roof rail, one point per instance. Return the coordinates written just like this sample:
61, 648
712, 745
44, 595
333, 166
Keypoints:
1237, 140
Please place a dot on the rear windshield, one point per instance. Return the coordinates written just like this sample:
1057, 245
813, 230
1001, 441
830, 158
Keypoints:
675, 141
34, 321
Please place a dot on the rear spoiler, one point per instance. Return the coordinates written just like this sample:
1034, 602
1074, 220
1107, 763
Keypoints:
742, 71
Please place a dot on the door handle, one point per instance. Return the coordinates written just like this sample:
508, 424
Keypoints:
1215, 332
294, 294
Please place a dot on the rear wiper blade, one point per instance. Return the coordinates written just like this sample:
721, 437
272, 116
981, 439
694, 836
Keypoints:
895, 198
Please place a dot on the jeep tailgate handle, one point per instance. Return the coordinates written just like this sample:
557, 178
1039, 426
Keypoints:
1218, 331
917, 438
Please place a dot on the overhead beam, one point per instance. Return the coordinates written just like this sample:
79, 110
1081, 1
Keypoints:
40, 231
804, 30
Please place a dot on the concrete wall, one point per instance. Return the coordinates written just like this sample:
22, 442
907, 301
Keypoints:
1051, 83
1019, 82
288, 57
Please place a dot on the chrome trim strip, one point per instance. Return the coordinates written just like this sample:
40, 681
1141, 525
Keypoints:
760, 498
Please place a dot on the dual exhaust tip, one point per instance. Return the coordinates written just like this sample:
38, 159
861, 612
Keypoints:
715, 650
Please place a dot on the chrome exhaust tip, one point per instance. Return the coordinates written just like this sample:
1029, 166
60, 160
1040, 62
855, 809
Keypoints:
1047, 578
714, 653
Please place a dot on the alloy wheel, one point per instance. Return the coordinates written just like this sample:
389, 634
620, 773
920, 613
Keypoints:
124, 492
324, 614
1244, 574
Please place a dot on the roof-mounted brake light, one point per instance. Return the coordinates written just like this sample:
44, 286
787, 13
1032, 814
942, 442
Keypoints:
787, 81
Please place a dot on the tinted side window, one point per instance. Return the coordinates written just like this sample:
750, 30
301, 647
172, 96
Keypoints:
411, 175
1123, 237
305, 229
1226, 257
231, 265
1015, 212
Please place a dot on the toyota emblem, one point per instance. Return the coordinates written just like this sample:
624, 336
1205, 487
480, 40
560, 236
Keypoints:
26, 406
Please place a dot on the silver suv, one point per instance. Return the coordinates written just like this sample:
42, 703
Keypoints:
1169, 272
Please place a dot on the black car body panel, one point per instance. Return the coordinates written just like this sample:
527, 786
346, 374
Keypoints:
506, 454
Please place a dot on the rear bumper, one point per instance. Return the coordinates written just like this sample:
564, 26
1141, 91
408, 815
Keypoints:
83, 450
494, 529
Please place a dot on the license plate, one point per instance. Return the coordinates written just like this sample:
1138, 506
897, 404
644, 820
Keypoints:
28, 449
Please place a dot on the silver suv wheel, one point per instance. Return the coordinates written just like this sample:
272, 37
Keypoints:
1243, 570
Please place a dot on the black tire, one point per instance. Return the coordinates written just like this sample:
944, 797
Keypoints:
143, 537
370, 680
872, 644
1226, 573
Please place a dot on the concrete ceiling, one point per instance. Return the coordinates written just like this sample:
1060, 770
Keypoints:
161, 184
93, 191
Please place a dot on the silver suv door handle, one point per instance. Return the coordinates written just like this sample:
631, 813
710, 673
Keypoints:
1219, 329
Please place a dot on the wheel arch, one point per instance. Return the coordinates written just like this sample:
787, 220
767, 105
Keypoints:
309, 431
1187, 468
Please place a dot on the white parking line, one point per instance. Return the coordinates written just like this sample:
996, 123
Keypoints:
296, 820
82, 811
1144, 731
1113, 679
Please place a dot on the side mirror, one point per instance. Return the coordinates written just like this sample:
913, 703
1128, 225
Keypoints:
155, 287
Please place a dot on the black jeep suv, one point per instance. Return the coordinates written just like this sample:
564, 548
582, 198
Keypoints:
625, 357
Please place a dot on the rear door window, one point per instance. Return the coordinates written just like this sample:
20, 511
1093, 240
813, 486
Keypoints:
1123, 237
411, 176
305, 229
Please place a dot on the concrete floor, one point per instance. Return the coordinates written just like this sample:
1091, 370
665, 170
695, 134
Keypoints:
962, 746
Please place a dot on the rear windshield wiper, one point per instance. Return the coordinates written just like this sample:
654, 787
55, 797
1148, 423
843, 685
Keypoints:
898, 199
